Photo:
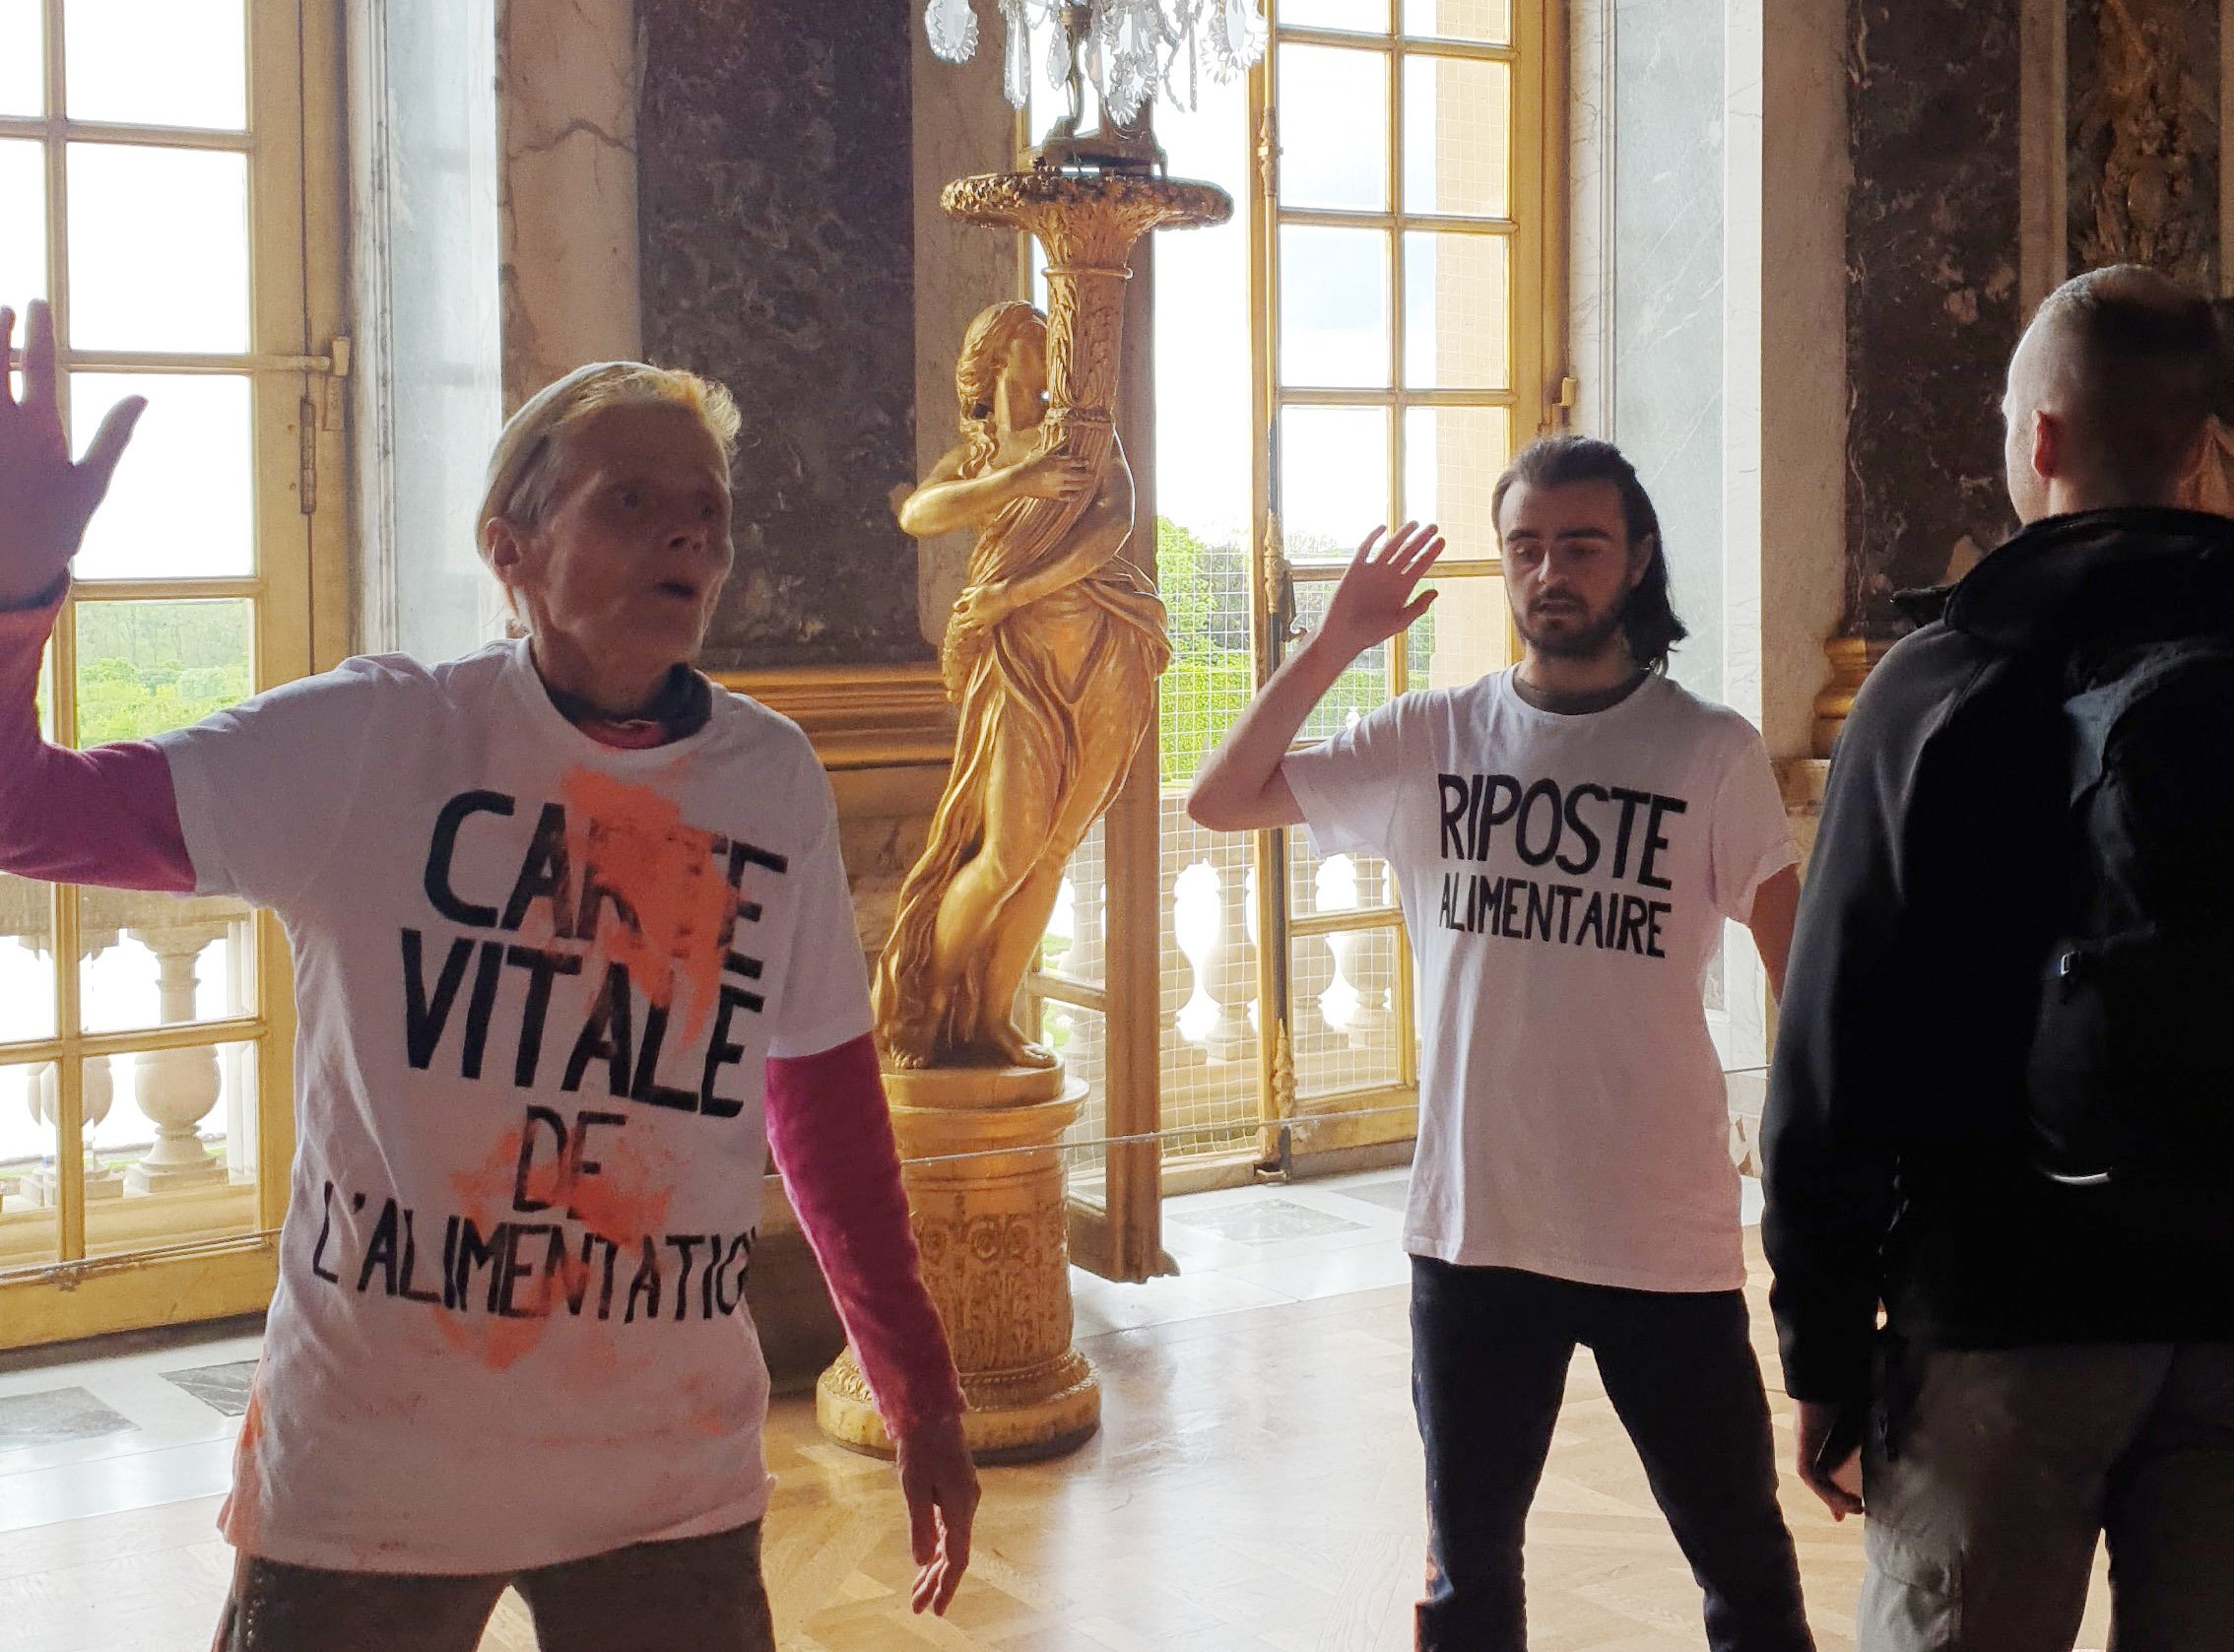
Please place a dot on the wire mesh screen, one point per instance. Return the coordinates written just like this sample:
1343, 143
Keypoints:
1207, 1062
1076, 946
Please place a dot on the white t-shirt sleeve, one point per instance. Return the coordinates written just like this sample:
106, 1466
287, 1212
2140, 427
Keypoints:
1752, 835
1347, 787
265, 787
825, 999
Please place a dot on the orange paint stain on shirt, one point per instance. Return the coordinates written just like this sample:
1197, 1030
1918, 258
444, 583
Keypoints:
620, 1195
625, 1201
664, 872
241, 1517
497, 1344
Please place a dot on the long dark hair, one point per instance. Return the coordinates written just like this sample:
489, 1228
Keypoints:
1648, 618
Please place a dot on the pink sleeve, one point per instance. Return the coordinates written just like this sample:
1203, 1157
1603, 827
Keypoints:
107, 815
832, 1139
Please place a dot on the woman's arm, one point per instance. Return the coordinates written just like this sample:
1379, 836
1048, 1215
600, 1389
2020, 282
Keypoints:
948, 502
1100, 534
831, 1134
107, 815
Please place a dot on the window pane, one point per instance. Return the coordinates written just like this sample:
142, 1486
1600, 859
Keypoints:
1334, 307
1451, 459
178, 1139
1457, 136
1342, 1015
145, 667
27, 969
1334, 479
22, 225
23, 58
1334, 123
29, 1224
158, 961
1463, 638
1457, 312
1355, 16
157, 62
1205, 453
1460, 20
1207, 1068
135, 210
1205, 582
183, 505
1361, 686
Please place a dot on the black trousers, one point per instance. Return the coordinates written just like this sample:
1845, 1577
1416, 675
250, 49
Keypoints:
1491, 1348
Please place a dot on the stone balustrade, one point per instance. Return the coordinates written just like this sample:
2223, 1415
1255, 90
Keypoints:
175, 1090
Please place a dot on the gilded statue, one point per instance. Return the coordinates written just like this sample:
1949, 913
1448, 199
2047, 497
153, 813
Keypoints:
1052, 653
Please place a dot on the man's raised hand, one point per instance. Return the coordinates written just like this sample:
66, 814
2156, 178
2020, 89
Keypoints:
45, 500
1375, 598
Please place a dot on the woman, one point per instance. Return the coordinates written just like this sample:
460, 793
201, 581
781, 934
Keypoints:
1053, 651
567, 920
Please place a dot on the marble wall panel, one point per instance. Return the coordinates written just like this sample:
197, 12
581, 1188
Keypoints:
567, 126
774, 206
1932, 306
2141, 114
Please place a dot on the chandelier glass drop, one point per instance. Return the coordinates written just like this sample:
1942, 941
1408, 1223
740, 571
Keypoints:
1131, 50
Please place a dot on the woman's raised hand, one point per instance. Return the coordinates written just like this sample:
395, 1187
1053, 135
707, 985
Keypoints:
1376, 599
45, 500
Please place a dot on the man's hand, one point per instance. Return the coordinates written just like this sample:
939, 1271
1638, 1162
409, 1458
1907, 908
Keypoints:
941, 1487
45, 500
1374, 598
1838, 1483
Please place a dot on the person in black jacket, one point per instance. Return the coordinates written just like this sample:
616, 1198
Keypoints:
2045, 1372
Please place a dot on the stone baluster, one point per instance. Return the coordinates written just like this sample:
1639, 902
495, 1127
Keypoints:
1371, 971
98, 1096
1334, 886
178, 1087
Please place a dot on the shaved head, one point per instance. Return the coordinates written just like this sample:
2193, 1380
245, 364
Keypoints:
2110, 392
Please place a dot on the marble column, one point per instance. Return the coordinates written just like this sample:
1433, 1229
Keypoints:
1932, 307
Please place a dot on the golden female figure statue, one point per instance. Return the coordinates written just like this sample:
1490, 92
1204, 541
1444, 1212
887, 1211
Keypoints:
1053, 653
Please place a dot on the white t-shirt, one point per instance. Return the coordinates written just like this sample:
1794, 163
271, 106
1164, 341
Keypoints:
1564, 879
535, 980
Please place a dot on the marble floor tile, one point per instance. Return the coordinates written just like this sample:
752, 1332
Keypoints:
1100, 1306
1388, 1192
115, 1484
222, 1388
1336, 1273
1262, 1221
55, 1414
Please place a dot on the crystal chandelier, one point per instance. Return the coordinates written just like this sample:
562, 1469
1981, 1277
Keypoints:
1130, 49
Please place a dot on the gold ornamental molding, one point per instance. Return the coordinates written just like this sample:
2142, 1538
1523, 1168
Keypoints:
877, 716
1852, 659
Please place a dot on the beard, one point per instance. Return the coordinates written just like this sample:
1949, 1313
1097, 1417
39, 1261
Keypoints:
1573, 633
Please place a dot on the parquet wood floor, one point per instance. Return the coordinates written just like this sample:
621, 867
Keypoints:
1255, 1488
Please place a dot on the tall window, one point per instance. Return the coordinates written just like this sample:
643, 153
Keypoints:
1368, 341
167, 182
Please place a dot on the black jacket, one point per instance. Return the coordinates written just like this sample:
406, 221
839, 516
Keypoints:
1895, 1154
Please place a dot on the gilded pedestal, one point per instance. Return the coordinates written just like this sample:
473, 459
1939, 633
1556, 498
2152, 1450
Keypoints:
1852, 659
985, 1184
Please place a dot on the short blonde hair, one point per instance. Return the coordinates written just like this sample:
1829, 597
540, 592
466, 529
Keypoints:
525, 468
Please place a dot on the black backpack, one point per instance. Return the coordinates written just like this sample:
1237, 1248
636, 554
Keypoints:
2131, 1072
